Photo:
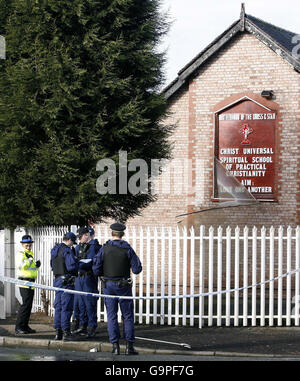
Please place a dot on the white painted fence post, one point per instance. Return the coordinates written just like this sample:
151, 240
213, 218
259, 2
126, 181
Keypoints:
141, 276
184, 275
236, 275
262, 276
254, 264
228, 274
288, 278
162, 276
133, 244
210, 275
245, 283
155, 280
201, 274
192, 267
271, 275
177, 269
170, 275
73, 229
219, 278
148, 260
280, 255
297, 277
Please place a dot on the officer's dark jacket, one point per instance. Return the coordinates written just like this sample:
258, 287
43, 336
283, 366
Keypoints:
125, 255
92, 249
63, 261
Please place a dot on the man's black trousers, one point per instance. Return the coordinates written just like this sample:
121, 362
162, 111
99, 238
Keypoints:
25, 309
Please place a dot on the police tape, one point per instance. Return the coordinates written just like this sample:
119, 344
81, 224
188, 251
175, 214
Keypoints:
76, 292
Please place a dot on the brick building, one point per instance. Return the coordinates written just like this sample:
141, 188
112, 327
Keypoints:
250, 71
238, 101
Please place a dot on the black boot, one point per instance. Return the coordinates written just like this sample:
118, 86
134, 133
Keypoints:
91, 332
130, 349
59, 334
116, 349
67, 335
30, 330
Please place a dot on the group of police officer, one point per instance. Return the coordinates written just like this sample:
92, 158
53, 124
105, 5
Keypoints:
79, 268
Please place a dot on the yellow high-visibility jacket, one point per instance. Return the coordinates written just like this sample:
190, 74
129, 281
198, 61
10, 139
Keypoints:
26, 266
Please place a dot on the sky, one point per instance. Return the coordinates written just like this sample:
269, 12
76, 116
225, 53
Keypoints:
196, 23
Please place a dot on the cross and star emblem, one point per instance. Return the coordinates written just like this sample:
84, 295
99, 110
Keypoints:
246, 130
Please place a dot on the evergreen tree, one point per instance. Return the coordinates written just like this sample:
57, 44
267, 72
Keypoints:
80, 82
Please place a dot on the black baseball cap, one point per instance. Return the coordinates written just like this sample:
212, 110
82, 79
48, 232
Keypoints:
71, 236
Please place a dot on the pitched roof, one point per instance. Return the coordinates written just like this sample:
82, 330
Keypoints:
282, 36
277, 39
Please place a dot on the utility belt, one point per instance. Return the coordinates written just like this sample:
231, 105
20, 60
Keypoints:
85, 273
28, 279
68, 280
120, 282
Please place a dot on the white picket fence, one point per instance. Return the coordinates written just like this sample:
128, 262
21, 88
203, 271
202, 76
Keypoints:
181, 262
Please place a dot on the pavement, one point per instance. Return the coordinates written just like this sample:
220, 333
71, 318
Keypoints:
207, 341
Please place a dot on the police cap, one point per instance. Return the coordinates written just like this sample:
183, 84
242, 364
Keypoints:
117, 227
82, 230
71, 236
26, 239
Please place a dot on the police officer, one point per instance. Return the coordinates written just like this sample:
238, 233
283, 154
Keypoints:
87, 282
93, 241
94, 247
78, 328
113, 264
27, 269
64, 266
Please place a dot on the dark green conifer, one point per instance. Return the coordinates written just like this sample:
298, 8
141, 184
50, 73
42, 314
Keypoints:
81, 81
